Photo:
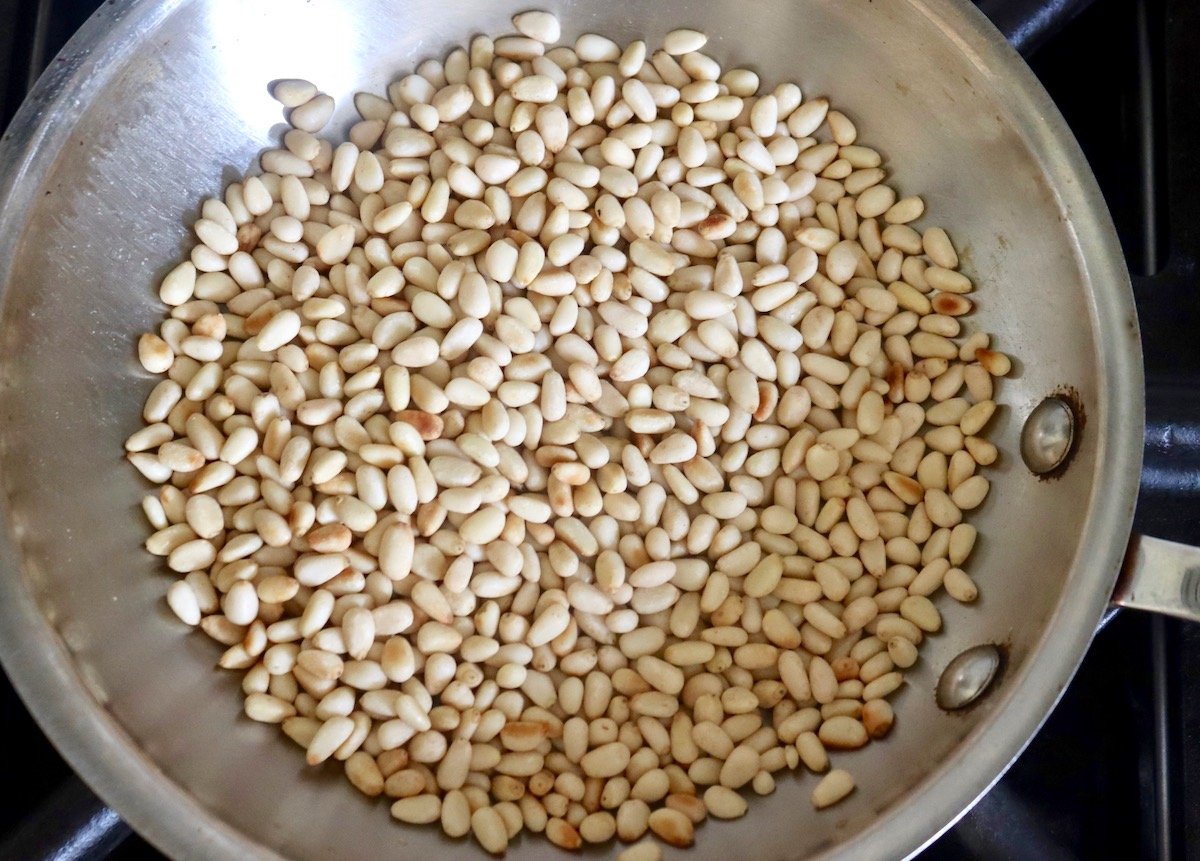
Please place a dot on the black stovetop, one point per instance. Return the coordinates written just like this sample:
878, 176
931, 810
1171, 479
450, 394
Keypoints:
1115, 772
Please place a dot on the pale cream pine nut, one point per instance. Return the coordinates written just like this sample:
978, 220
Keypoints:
293, 92
155, 354
960, 586
183, 602
328, 738
542, 26
822, 679
812, 752
456, 814
971, 492
680, 42
740, 767
312, 115
713, 740
646, 851
419, 809
902, 652
975, 418
883, 686
937, 245
605, 761
833, 787
922, 613
724, 803
265, 708
489, 830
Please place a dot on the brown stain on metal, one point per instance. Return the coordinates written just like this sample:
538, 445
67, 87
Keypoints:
1070, 396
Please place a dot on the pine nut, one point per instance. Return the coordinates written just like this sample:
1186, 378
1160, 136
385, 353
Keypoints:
833, 787
672, 827
680, 42
843, 733
647, 851
489, 830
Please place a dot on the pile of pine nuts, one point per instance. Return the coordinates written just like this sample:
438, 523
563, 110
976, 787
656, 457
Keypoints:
579, 445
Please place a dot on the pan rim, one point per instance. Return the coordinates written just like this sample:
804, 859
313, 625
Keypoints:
108, 759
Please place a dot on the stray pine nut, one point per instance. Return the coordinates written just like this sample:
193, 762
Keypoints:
647, 851
833, 787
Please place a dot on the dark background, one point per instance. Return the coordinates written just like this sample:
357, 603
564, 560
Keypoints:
1115, 772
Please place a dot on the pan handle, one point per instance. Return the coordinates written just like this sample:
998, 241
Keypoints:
1161, 576
1026, 24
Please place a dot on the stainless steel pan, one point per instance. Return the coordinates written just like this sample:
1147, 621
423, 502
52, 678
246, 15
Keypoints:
155, 102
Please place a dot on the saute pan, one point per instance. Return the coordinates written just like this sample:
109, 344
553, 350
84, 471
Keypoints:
157, 103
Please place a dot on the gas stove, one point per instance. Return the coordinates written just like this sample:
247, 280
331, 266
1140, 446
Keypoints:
1115, 771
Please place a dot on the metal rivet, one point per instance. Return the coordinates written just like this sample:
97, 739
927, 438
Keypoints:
967, 676
1047, 436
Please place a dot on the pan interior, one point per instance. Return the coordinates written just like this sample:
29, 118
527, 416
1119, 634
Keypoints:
178, 105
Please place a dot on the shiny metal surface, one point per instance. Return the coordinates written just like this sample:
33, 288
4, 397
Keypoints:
156, 103
1027, 24
71, 825
967, 676
1047, 435
1161, 576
